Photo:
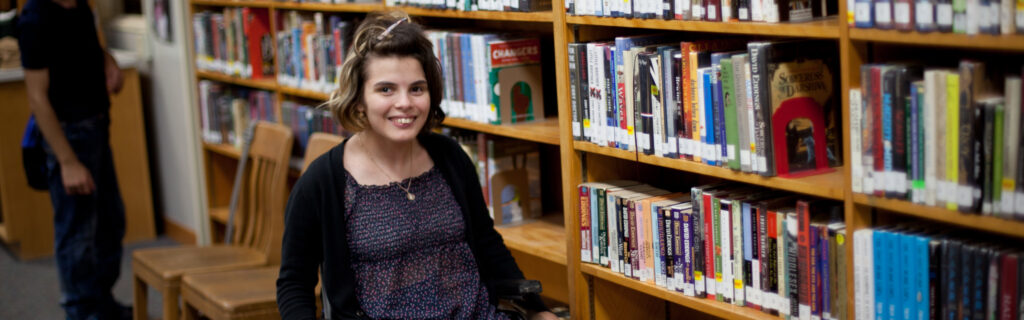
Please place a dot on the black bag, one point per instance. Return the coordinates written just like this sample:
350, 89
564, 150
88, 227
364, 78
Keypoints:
33, 156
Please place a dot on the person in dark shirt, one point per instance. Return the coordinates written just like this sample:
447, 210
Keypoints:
393, 218
68, 77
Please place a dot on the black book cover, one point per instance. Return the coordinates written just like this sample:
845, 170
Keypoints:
697, 244
609, 92
679, 119
584, 90
792, 267
979, 300
574, 82
967, 254
935, 279
951, 279
987, 144
977, 157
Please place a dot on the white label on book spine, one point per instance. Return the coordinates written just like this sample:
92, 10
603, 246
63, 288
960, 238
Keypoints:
883, 15
784, 305
712, 12
754, 296
673, 145
710, 285
900, 180
698, 282
1006, 203
965, 195
576, 128
762, 164
1018, 199
805, 312
862, 12
744, 156
814, 317
925, 13
731, 151
944, 14
901, 12
744, 15
688, 289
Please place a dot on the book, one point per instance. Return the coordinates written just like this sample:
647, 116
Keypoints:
1011, 139
802, 74
515, 73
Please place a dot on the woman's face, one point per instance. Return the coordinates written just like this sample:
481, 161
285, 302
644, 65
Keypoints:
395, 98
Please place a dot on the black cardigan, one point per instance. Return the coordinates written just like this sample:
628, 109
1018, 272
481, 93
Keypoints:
315, 234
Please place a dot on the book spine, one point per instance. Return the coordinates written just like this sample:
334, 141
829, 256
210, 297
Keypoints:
697, 243
903, 14
716, 215
711, 254
883, 14
730, 121
758, 52
900, 99
952, 139
856, 166
804, 257
793, 269
585, 208
771, 263
661, 275
574, 93
736, 235
602, 228
614, 233
924, 16
1009, 275
1011, 126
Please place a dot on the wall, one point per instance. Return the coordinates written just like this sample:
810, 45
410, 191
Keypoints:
174, 146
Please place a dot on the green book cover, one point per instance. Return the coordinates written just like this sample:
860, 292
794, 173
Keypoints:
729, 101
952, 138
602, 225
997, 157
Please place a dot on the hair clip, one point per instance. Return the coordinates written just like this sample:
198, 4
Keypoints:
388, 30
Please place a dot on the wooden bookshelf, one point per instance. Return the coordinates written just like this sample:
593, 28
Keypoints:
303, 93
544, 237
714, 308
329, 7
822, 28
934, 39
223, 149
538, 16
973, 221
540, 131
605, 151
235, 3
263, 84
827, 185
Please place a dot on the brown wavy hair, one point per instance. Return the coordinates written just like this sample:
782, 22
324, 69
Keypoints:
406, 39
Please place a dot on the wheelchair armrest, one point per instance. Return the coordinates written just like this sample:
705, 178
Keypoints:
516, 288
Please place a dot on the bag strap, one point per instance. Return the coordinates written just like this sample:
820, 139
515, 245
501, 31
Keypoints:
236, 189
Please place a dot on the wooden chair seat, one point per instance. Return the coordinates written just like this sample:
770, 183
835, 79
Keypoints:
172, 263
237, 294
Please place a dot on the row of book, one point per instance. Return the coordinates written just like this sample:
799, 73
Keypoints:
490, 78
476, 5
910, 272
765, 250
707, 10
940, 137
225, 111
753, 107
509, 172
304, 120
950, 16
311, 49
235, 41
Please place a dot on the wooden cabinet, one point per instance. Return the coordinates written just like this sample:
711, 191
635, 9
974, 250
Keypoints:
27, 216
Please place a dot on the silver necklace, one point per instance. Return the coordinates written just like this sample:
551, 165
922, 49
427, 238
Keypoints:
408, 194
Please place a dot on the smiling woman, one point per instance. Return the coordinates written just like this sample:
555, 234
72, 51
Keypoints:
394, 217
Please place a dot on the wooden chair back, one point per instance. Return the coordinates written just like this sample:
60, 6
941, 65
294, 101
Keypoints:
319, 143
260, 215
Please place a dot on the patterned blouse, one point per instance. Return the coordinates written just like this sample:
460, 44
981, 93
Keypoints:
411, 259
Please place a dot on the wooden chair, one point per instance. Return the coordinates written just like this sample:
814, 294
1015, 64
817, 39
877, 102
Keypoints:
243, 294
257, 241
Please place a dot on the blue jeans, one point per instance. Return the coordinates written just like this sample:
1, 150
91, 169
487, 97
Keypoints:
88, 229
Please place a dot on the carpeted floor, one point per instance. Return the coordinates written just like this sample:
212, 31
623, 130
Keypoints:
30, 289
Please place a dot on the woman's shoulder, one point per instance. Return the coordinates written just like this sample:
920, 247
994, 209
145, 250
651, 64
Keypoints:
325, 169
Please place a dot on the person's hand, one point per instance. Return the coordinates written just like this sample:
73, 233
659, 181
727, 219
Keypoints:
546, 315
114, 78
77, 179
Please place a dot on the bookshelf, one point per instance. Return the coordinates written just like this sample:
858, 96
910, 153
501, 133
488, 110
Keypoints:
552, 244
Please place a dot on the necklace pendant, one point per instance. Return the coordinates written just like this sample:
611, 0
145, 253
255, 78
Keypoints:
410, 196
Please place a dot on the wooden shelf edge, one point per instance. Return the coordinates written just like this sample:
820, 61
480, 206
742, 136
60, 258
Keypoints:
541, 131
966, 220
3, 233
605, 151
330, 7
234, 3
826, 185
711, 307
827, 28
535, 16
980, 41
542, 238
223, 149
308, 94
264, 84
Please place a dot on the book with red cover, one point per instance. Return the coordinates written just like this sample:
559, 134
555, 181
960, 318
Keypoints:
257, 31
